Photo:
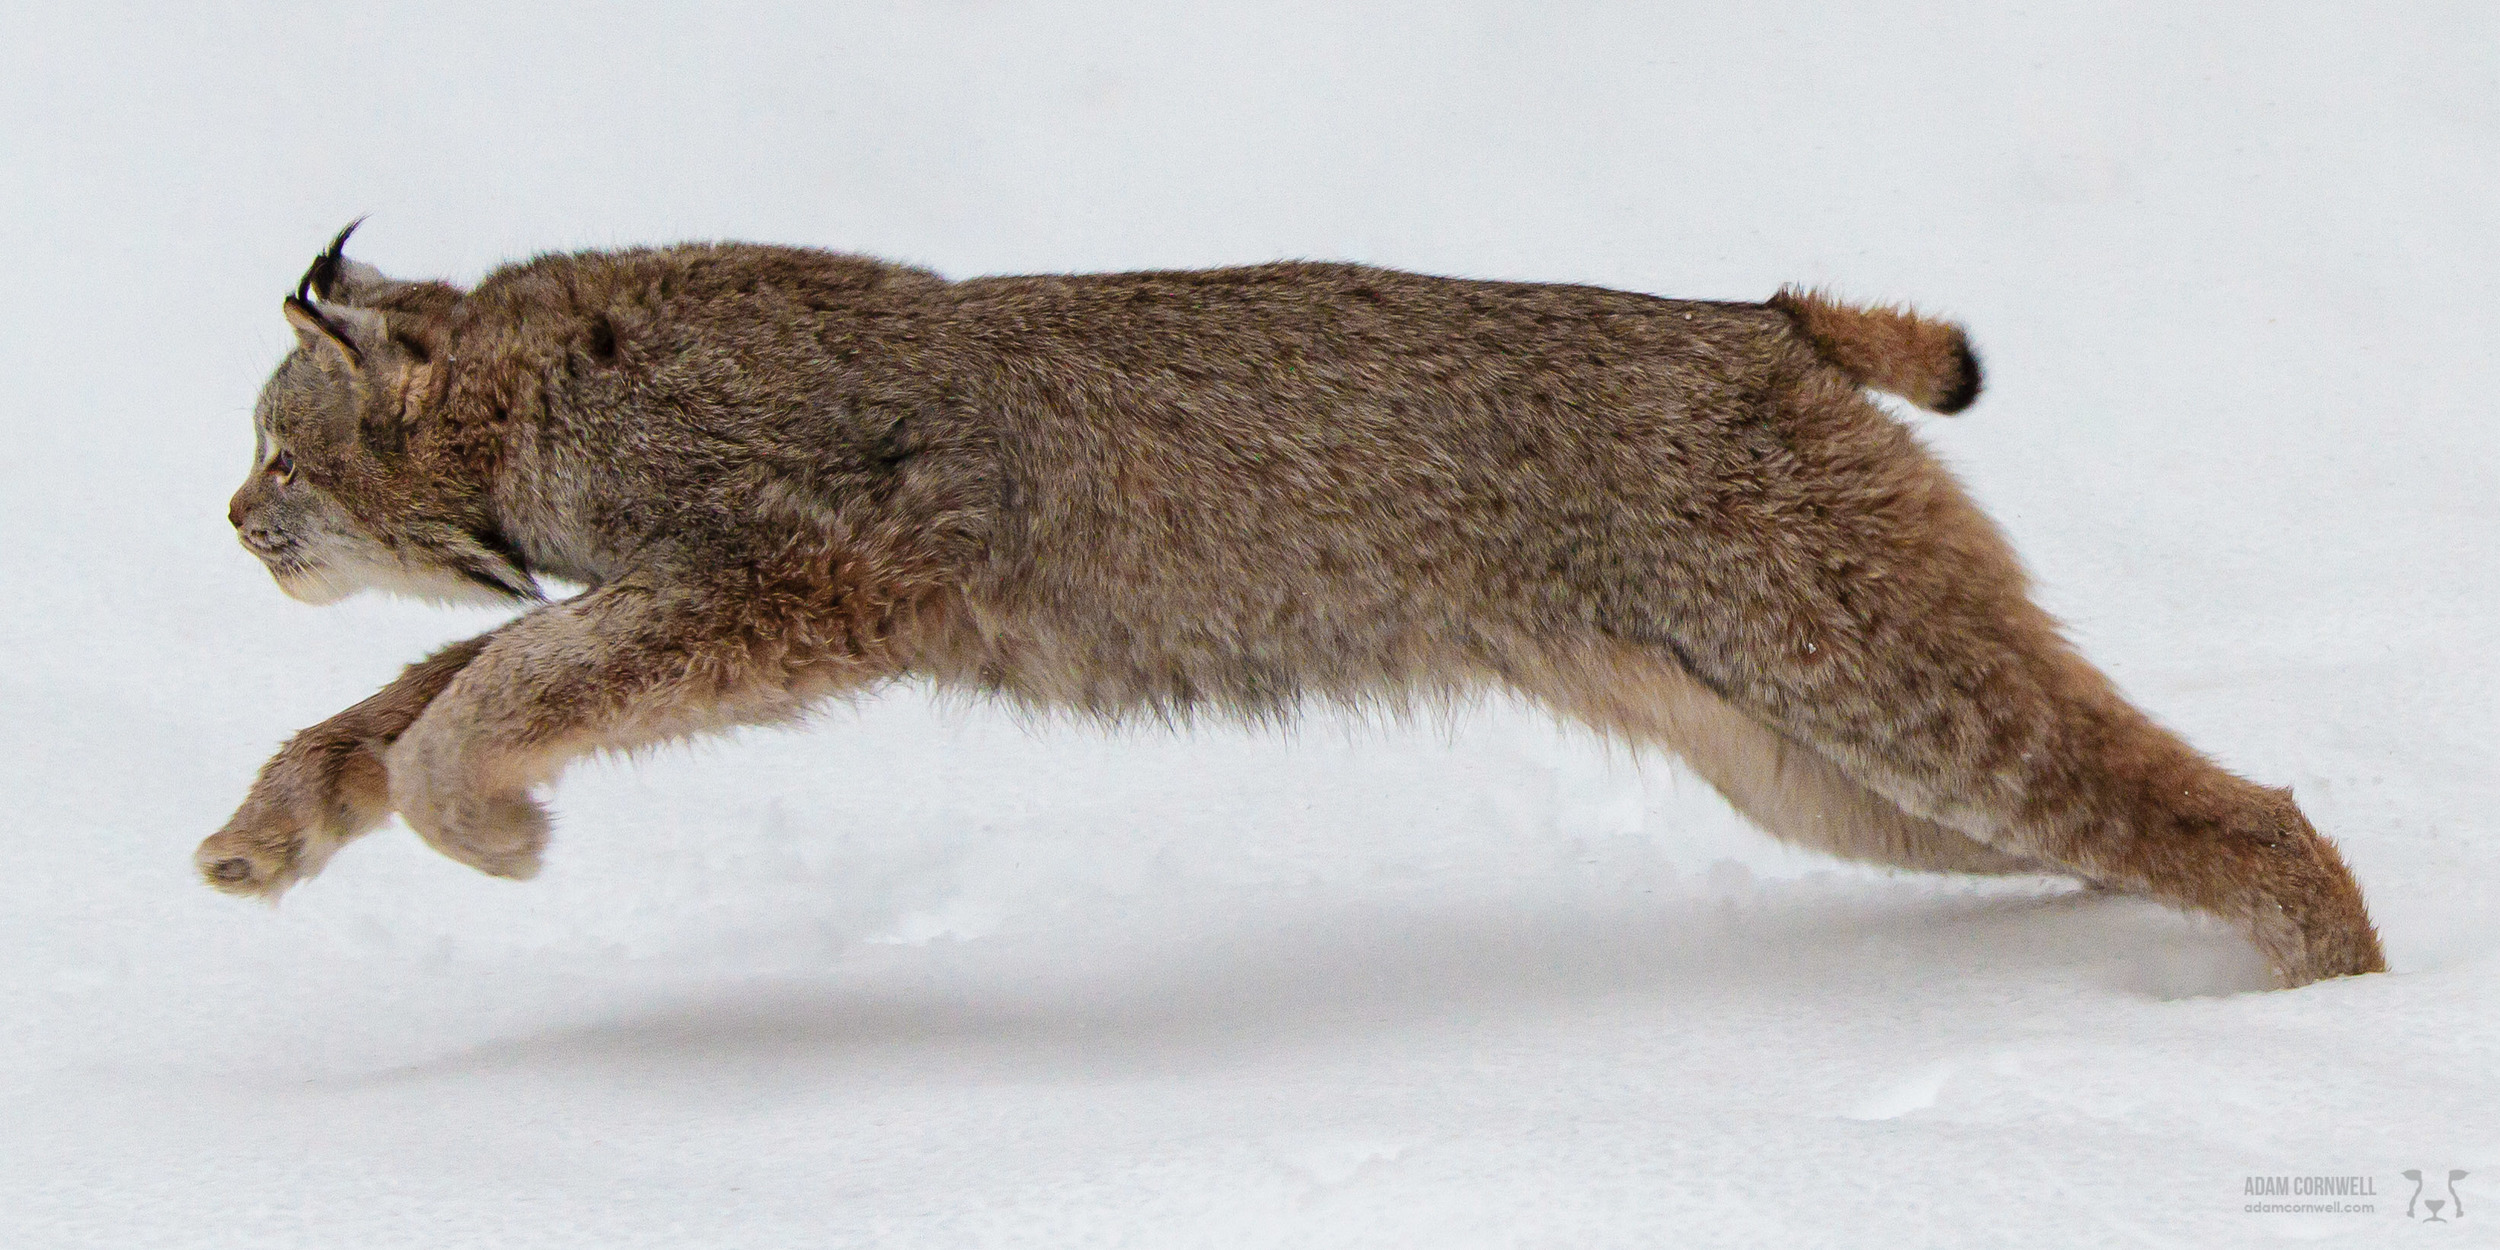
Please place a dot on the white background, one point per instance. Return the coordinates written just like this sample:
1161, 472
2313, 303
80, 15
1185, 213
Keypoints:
924, 975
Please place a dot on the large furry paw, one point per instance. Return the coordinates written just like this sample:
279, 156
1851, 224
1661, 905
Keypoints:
287, 828
2306, 947
501, 835
253, 857
447, 788
323, 789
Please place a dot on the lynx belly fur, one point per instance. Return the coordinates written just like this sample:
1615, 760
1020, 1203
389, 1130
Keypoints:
785, 475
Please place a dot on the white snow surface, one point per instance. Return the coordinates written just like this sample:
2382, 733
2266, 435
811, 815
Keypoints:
922, 974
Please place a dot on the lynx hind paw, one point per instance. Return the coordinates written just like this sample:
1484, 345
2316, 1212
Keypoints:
2321, 951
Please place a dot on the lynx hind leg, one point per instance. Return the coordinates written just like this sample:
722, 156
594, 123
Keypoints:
1901, 645
1788, 790
2056, 766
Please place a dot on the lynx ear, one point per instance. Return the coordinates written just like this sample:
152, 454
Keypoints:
338, 281
328, 308
352, 334
334, 279
359, 283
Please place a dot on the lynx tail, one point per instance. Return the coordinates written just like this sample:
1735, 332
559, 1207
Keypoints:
1893, 349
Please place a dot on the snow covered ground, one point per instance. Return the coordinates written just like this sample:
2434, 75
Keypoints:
922, 975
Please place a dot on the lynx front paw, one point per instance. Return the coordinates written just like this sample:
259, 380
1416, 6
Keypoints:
450, 788
260, 853
314, 796
246, 865
500, 835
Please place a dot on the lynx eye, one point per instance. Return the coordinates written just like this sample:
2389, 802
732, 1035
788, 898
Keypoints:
283, 467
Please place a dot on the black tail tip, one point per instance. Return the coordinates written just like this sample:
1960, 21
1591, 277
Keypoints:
1964, 389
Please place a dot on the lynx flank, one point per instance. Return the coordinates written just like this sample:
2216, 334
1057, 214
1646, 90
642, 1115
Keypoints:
785, 475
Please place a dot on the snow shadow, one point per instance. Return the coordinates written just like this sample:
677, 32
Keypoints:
1171, 995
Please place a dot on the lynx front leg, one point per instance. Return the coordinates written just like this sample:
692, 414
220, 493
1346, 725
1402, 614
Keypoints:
633, 663
325, 787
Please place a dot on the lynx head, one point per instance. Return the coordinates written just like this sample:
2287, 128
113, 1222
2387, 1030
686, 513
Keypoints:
345, 493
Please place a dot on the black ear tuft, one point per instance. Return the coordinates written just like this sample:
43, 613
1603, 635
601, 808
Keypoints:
323, 276
308, 320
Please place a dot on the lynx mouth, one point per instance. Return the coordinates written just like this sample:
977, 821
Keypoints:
281, 554
266, 546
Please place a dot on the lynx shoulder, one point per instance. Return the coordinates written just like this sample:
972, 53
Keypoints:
782, 474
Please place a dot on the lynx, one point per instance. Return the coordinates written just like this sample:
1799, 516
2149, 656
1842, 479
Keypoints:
782, 475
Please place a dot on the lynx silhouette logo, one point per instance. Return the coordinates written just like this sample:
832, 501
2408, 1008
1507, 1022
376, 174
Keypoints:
2453, 1203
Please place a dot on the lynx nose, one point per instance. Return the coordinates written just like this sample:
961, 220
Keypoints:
234, 513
